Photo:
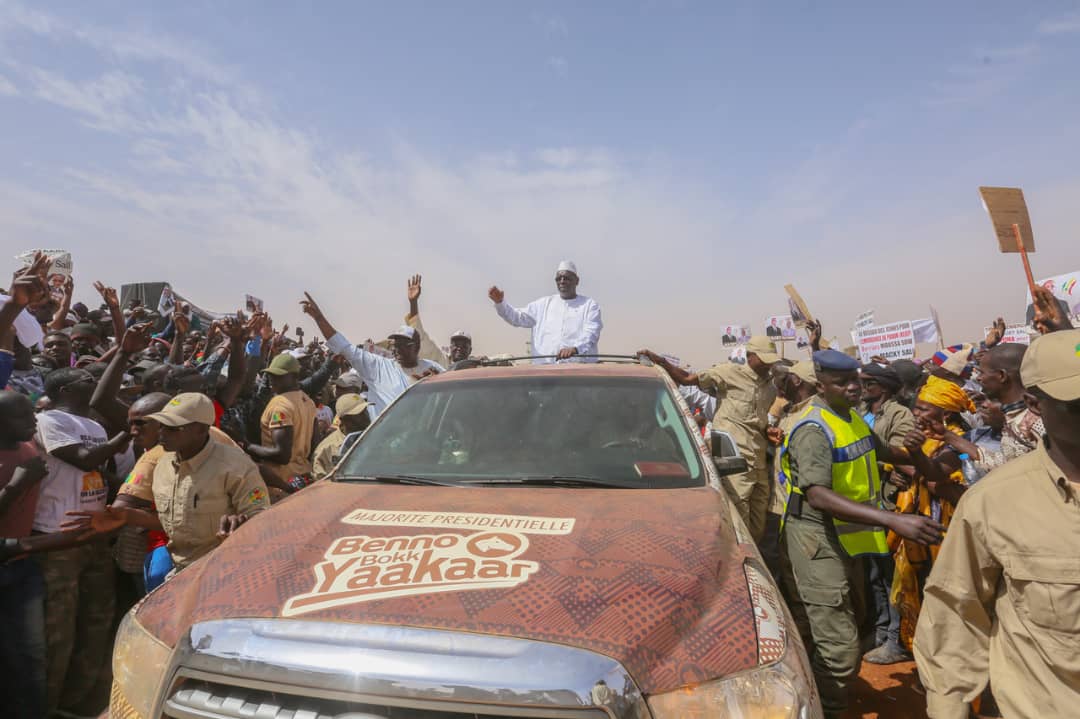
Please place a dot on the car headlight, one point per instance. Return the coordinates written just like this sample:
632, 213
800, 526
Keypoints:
140, 661
774, 692
780, 688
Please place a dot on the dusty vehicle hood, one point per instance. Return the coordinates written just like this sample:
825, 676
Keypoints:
651, 578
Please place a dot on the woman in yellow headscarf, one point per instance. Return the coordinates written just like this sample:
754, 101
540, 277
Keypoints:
933, 492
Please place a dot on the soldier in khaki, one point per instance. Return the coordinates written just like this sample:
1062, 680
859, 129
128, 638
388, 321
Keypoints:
203, 490
744, 395
1002, 602
352, 416
833, 515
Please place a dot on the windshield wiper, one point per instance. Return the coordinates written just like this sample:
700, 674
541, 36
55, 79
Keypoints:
557, 480
395, 479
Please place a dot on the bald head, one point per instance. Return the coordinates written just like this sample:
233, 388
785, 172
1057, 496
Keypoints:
1006, 357
150, 403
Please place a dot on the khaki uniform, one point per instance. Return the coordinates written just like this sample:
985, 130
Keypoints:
291, 409
192, 496
429, 350
1003, 600
326, 453
744, 399
823, 584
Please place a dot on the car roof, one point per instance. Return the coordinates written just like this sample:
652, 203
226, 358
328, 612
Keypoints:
575, 369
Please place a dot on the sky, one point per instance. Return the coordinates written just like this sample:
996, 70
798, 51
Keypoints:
691, 158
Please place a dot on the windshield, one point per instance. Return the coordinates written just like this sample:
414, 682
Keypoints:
624, 431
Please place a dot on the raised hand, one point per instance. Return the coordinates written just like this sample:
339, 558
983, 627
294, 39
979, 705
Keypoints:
234, 328
496, 295
181, 322
28, 285
996, 334
108, 294
1048, 314
414, 288
813, 333
310, 307
136, 338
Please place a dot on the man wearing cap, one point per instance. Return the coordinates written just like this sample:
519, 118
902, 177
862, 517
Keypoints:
287, 426
352, 417
386, 378
203, 489
348, 383
744, 395
833, 514
460, 341
1002, 602
890, 422
563, 325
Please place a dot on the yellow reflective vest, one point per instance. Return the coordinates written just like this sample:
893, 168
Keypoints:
854, 474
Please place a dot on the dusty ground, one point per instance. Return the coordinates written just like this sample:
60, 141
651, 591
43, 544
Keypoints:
886, 693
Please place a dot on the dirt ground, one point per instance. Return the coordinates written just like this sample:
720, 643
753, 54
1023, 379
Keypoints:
886, 692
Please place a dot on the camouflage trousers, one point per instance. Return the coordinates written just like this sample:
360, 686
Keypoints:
80, 596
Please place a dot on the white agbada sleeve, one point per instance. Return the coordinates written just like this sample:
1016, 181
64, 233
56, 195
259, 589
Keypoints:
516, 317
590, 330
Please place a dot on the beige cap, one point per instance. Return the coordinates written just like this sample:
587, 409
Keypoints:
805, 371
1052, 363
350, 404
186, 408
764, 348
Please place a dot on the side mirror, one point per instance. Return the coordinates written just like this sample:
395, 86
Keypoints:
725, 454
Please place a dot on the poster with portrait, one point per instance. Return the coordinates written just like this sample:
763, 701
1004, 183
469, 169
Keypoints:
734, 333
1066, 288
780, 328
59, 272
800, 313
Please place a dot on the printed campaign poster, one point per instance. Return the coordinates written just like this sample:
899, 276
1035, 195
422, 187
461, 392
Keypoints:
892, 342
253, 304
734, 334
1065, 287
780, 327
864, 321
59, 273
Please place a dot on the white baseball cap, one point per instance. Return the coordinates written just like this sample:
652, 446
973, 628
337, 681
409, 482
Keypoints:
462, 334
404, 331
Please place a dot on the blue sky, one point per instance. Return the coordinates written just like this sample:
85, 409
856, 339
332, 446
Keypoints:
691, 157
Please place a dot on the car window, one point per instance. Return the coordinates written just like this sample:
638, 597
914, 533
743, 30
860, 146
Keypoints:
626, 430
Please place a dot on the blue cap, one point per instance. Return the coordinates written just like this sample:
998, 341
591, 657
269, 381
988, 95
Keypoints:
833, 361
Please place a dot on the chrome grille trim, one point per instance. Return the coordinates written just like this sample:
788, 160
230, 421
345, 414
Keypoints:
406, 667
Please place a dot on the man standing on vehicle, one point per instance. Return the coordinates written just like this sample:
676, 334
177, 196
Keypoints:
563, 325
833, 515
386, 378
745, 394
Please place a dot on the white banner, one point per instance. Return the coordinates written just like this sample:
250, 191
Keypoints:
864, 321
1014, 334
892, 342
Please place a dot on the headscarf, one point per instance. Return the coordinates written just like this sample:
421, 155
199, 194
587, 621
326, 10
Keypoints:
946, 395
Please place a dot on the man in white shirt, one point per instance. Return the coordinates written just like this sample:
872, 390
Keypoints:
79, 584
386, 378
563, 325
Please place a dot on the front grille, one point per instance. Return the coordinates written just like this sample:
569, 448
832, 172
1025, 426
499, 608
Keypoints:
203, 699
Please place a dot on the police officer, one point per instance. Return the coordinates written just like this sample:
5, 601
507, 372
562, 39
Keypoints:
828, 467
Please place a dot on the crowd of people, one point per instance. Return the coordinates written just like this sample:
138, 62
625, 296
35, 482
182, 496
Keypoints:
134, 444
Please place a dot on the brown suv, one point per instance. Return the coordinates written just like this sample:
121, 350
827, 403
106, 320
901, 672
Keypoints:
537, 541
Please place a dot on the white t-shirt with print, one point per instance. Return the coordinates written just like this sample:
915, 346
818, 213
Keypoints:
67, 488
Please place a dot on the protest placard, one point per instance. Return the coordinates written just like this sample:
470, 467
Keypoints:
59, 272
735, 333
253, 304
1014, 334
798, 310
864, 320
1065, 287
780, 328
892, 342
1007, 207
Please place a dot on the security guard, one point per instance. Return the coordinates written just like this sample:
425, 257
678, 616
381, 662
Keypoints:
744, 393
828, 467
1003, 599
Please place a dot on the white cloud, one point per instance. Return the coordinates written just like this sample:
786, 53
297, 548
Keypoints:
101, 101
559, 65
7, 87
1061, 26
553, 25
